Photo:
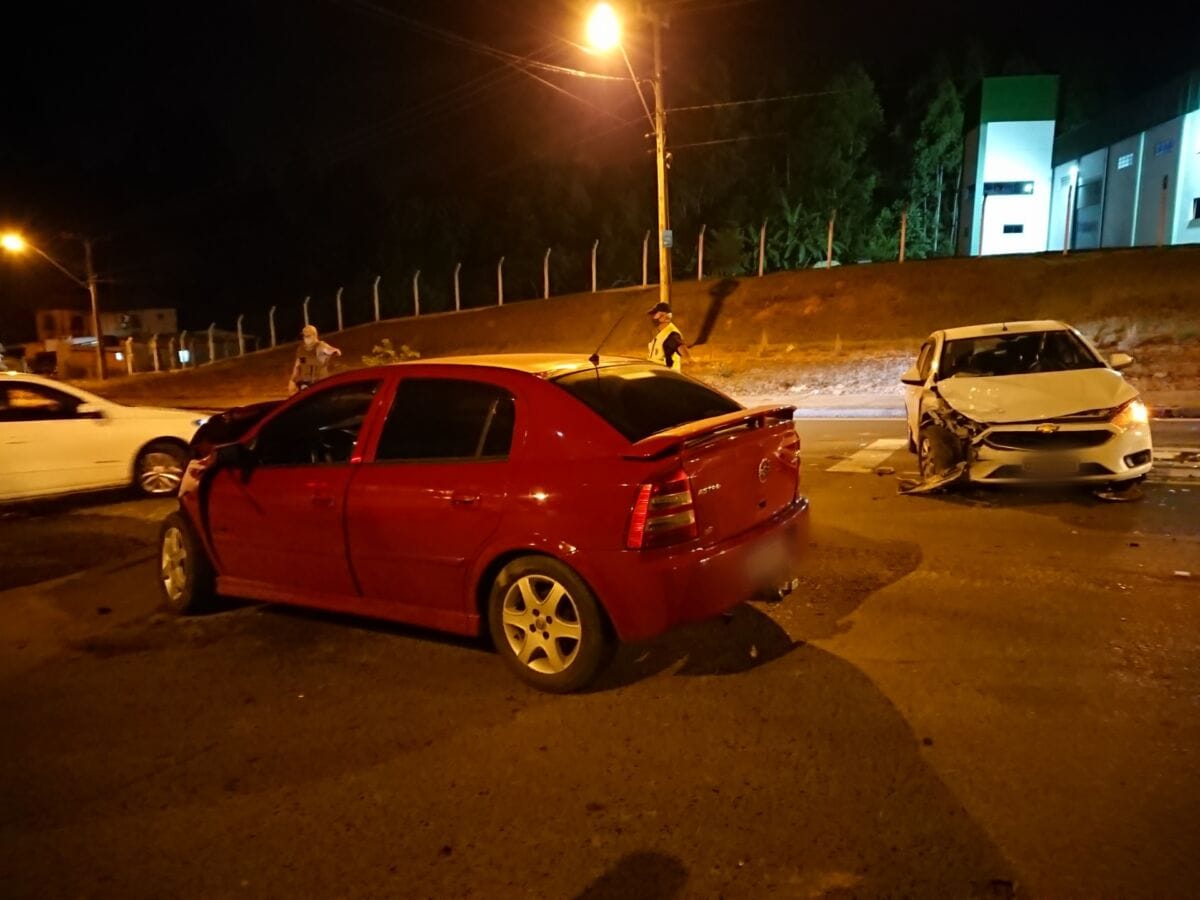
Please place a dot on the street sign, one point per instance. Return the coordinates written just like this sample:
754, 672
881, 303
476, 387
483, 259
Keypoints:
668, 238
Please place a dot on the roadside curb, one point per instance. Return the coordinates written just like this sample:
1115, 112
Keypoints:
1175, 412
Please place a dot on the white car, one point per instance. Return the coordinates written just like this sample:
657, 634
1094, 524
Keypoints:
1024, 401
57, 439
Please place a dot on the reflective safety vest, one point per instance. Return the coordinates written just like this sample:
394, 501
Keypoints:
657, 353
313, 364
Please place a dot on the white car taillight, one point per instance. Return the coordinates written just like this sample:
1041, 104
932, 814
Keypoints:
662, 513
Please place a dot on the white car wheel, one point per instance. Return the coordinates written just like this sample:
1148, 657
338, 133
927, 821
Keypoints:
158, 471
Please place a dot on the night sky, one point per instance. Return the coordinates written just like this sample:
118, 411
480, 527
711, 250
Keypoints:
210, 148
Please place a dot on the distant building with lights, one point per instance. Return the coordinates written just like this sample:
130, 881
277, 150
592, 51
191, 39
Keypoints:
1130, 178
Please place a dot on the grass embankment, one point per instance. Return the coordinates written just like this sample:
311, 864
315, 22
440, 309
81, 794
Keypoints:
847, 329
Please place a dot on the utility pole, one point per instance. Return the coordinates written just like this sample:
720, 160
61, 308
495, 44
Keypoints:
91, 286
660, 150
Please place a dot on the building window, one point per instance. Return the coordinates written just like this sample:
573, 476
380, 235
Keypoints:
49, 324
76, 326
1125, 160
1014, 229
992, 188
1162, 148
1090, 193
1195, 208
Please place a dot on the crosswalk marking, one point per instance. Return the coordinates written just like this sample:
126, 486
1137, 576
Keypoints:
1172, 465
869, 458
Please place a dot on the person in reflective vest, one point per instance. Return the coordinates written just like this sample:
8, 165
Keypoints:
312, 360
667, 348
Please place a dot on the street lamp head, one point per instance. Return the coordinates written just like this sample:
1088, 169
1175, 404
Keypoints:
13, 242
604, 28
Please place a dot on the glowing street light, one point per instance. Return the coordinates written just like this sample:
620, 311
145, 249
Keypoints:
604, 28
604, 33
13, 242
16, 243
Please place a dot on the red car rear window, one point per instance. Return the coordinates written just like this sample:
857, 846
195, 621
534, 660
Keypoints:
640, 401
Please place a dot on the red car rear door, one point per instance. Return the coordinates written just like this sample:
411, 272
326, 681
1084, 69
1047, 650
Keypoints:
431, 494
280, 522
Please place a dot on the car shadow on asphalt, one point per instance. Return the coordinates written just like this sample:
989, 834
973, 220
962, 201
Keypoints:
840, 571
70, 503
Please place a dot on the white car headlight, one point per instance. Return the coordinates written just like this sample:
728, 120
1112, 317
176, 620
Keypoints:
1132, 413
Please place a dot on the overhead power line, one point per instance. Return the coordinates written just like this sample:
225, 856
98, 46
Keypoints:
728, 103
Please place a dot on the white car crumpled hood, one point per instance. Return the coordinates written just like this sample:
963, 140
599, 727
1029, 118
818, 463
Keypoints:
1042, 395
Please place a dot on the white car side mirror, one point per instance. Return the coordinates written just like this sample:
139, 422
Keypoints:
913, 377
1120, 360
88, 411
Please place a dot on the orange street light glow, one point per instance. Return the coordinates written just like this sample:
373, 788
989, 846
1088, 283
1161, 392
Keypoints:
604, 28
13, 242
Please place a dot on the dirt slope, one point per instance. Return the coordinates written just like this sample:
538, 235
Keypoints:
851, 328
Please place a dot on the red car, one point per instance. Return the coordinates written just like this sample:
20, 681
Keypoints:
557, 503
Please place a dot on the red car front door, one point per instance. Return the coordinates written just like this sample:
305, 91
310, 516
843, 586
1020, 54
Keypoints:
432, 495
278, 524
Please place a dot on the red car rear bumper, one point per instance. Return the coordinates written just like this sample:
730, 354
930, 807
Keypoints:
648, 592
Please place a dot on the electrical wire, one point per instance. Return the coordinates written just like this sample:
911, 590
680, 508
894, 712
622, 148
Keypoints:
730, 103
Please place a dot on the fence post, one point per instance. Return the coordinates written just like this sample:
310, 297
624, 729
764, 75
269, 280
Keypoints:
457, 298
153, 346
700, 254
595, 245
339, 308
500, 282
241, 336
829, 243
171, 355
645, 257
306, 299
375, 295
546, 275
762, 247
182, 348
903, 231
271, 320
417, 293
212, 347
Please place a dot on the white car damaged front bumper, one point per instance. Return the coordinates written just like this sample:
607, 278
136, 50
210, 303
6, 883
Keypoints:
1060, 451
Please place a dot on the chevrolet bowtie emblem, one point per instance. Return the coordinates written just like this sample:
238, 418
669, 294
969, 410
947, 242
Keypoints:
1047, 429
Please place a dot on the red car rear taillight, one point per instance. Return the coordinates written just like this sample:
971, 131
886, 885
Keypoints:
662, 513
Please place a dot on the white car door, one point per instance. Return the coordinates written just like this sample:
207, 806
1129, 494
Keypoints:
913, 392
49, 445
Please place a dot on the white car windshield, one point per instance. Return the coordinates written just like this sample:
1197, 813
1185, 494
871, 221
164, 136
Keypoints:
1016, 354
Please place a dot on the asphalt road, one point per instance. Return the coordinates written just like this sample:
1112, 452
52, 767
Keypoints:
982, 694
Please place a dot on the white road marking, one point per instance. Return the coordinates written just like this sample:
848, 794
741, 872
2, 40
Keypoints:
1179, 466
870, 457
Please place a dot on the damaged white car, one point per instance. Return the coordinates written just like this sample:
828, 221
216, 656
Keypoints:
1016, 402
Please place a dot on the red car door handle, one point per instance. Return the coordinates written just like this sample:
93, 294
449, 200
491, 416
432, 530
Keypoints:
464, 499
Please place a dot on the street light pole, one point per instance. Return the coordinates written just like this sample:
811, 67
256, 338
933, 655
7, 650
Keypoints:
660, 151
604, 33
91, 287
15, 243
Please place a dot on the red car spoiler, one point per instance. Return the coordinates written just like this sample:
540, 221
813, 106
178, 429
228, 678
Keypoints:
673, 439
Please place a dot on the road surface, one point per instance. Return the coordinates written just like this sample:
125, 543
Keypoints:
983, 694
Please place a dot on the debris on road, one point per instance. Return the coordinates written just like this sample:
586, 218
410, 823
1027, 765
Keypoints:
1119, 493
1179, 573
885, 470
953, 475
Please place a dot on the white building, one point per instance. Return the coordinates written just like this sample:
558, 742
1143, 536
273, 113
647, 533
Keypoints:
1130, 178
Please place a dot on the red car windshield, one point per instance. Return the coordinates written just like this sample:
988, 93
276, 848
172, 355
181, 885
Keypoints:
640, 401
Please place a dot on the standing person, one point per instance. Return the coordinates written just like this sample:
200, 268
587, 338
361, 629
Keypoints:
667, 347
312, 360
